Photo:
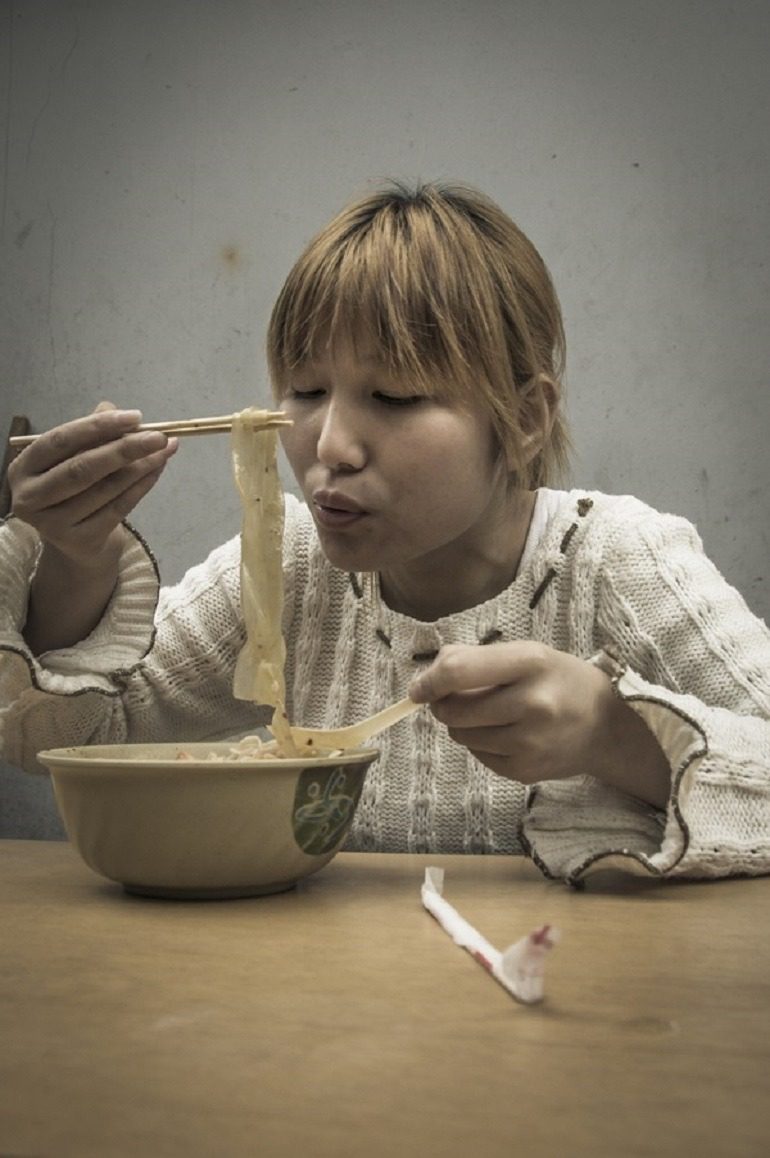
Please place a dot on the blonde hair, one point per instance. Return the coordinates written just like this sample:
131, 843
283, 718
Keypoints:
453, 297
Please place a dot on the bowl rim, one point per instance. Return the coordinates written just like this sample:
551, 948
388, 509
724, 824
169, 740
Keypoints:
96, 757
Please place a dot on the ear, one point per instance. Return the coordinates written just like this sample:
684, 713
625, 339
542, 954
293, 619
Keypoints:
539, 411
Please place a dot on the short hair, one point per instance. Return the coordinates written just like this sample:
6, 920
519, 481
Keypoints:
454, 298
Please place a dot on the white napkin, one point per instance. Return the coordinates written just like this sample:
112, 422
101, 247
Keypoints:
520, 968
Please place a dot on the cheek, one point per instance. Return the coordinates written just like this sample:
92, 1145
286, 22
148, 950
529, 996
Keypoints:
447, 480
454, 456
297, 447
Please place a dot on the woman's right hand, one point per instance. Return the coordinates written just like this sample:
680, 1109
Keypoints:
77, 482
75, 485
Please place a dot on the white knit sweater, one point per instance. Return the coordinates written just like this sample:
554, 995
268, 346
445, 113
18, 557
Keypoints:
608, 572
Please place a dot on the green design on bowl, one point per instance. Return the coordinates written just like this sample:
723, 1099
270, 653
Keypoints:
324, 802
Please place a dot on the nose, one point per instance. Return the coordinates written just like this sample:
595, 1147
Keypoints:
341, 444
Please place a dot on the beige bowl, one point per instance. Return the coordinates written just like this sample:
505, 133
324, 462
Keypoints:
197, 828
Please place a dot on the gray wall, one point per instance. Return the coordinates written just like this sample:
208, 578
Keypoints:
165, 160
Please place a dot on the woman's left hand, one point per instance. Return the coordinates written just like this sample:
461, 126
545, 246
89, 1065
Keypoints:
532, 713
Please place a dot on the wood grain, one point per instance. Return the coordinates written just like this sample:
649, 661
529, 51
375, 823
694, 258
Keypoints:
339, 1019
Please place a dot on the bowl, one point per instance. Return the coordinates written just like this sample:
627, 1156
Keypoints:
191, 821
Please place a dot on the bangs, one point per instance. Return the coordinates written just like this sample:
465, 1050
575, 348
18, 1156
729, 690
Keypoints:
387, 280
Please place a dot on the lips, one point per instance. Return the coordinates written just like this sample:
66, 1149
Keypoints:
334, 509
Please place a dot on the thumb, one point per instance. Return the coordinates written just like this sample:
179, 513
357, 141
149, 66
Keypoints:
437, 679
420, 689
100, 406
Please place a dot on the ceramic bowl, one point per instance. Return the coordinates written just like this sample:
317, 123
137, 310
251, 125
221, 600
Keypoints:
192, 827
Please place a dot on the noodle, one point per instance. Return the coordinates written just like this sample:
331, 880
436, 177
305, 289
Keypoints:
249, 748
255, 748
259, 671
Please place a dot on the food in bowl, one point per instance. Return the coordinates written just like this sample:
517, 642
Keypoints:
201, 820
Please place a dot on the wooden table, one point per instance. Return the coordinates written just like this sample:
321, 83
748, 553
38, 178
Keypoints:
340, 1019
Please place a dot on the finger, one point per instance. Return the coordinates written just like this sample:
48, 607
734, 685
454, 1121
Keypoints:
481, 707
494, 741
90, 469
462, 667
129, 453
515, 751
62, 442
92, 532
98, 524
511, 769
124, 503
59, 519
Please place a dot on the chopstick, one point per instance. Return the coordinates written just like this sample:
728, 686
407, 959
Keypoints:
184, 427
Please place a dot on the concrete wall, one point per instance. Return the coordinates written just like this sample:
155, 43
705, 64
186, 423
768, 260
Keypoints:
165, 160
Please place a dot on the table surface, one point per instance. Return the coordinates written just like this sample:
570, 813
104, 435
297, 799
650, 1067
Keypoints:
340, 1019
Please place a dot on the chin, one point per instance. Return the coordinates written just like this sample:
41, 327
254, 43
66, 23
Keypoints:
350, 560
349, 556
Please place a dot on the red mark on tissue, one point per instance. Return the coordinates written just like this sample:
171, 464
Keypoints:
482, 960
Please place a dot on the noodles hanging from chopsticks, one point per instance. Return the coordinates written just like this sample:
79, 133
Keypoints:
259, 671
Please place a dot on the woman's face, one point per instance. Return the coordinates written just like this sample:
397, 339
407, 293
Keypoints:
397, 483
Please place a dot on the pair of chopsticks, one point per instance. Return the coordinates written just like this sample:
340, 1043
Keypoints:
183, 427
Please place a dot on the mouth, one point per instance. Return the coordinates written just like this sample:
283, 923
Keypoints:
334, 510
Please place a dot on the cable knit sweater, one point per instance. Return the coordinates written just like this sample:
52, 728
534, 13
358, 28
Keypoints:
608, 573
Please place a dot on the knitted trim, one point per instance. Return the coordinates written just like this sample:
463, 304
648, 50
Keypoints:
577, 876
111, 693
679, 774
119, 673
574, 876
525, 843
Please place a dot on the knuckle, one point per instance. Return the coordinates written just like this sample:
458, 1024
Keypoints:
438, 679
122, 505
20, 510
542, 704
78, 471
539, 655
13, 471
129, 449
59, 441
22, 505
450, 662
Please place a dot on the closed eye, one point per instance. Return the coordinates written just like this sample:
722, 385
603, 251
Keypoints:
306, 395
398, 399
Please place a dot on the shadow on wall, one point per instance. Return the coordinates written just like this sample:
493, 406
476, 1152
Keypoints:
27, 807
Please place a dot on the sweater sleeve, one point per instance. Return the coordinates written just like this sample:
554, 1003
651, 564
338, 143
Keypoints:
694, 663
158, 667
